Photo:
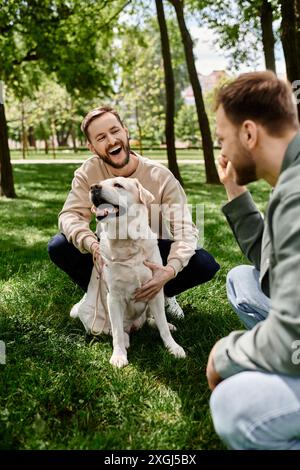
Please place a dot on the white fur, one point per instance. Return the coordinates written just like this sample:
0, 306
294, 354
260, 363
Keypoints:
124, 270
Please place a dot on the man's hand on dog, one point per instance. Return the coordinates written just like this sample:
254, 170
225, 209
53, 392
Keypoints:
161, 275
98, 261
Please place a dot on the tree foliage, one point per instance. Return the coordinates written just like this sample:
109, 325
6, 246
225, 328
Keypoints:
238, 27
141, 91
187, 128
54, 36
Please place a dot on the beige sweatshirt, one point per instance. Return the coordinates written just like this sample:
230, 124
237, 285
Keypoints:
75, 217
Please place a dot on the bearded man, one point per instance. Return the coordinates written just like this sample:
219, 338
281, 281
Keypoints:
255, 374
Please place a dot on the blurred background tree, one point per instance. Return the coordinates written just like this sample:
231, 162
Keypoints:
59, 58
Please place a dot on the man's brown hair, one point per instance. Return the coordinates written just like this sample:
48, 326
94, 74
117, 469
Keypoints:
261, 97
94, 114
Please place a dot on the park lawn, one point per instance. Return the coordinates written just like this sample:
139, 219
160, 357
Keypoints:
58, 390
83, 154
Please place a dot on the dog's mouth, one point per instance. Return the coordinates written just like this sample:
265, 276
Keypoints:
106, 209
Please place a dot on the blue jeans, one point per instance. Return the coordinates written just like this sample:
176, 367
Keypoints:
245, 295
255, 410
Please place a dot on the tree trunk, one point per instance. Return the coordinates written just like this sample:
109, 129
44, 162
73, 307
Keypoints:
138, 125
207, 143
46, 146
24, 133
31, 138
290, 38
53, 134
63, 134
268, 39
170, 91
6, 173
73, 136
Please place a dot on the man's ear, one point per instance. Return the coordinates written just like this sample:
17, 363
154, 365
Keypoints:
90, 147
249, 134
145, 196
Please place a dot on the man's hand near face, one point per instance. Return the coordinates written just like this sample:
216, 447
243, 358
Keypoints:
227, 177
161, 275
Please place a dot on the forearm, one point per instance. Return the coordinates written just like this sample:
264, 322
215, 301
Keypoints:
247, 225
77, 231
233, 190
180, 254
273, 343
75, 216
177, 217
269, 346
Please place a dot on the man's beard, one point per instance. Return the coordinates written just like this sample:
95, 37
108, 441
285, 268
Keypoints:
245, 173
107, 158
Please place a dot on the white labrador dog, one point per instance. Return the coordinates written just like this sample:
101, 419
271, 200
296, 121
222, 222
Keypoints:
126, 241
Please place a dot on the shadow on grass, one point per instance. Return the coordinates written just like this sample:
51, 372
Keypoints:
186, 377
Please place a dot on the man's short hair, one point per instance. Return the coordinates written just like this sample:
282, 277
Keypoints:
261, 97
94, 114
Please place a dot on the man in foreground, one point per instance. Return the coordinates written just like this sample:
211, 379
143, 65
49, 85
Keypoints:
76, 248
257, 406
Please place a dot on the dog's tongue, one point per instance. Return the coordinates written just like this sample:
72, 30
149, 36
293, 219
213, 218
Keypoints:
105, 209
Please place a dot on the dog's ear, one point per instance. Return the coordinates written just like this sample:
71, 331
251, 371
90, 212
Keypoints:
145, 196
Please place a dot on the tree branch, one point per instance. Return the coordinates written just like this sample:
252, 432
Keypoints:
5, 29
29, 57
117, 13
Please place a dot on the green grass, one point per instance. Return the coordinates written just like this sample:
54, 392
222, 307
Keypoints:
58, 390
82, 154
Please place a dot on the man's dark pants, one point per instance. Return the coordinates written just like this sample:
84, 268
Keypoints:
201, 268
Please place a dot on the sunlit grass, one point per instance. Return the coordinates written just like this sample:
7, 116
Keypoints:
58, 390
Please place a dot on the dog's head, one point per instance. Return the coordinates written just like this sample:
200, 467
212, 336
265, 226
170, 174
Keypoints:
114, 197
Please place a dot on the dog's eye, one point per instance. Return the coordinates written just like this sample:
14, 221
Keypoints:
117, 185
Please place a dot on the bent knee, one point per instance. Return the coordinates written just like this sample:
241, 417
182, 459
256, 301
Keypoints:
56, 246
211, 265
221, 408
239, 274
233, 418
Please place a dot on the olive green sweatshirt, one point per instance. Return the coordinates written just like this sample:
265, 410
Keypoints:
273, 246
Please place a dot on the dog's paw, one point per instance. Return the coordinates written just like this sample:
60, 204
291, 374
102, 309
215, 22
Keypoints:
172, 327
177, 351
118, 360
74, 311
126, 340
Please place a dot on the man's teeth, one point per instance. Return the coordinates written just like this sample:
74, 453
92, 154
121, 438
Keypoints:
115, 149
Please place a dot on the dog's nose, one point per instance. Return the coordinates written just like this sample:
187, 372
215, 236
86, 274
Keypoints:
96, 188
